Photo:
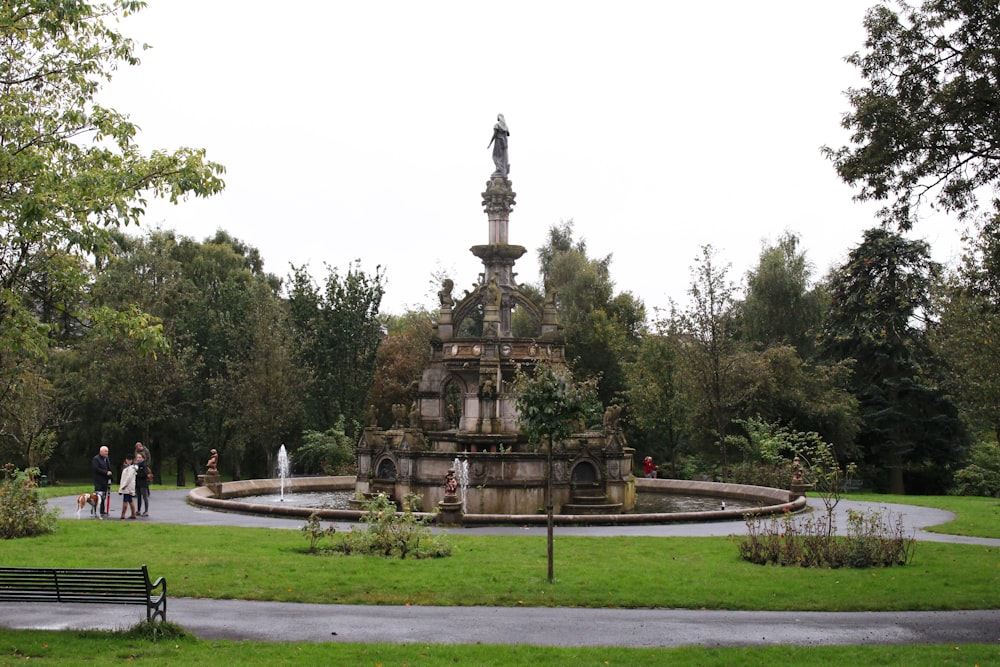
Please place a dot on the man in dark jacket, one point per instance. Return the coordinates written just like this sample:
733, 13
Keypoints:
101, 466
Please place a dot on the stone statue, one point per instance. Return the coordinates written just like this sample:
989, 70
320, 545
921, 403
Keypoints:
212, 467
611, 417
444, 295
450, 483
499, 143
414, 415
398, 415
493, 294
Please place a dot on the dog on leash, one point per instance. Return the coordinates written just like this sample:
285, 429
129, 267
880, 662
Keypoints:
92, 499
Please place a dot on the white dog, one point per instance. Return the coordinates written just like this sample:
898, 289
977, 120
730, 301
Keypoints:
92, 499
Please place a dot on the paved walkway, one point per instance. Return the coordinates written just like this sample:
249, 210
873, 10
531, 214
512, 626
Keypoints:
237, 619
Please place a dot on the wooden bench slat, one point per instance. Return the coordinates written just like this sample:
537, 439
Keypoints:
85, 585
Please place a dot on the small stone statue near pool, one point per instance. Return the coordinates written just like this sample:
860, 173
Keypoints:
450, 483
212, 467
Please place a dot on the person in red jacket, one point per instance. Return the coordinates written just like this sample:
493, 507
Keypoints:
648, 467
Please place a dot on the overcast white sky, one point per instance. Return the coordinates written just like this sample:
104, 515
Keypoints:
359, 130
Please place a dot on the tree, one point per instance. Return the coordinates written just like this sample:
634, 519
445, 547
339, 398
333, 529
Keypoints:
880, 309
70, 171
337, 335
657, 406
551, 403
782, 307
400, 361
714, 360
968, 336
602, 329
926, 126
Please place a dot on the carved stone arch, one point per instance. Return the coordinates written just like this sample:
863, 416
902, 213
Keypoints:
453, 390
585, 471
464, 308
385, 469
534, 310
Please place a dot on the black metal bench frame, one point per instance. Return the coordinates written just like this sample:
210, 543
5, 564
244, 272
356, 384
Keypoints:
85, 585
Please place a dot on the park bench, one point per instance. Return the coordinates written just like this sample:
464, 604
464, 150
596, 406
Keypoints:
85, 585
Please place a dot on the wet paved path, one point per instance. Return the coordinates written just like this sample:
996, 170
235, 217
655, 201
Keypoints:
273, 621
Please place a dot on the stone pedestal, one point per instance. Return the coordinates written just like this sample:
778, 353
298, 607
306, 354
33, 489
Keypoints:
211, 480
798, 489
450, 511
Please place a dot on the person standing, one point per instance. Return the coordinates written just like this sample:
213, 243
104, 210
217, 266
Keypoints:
142, 476
126, 485
101, 467
147, 457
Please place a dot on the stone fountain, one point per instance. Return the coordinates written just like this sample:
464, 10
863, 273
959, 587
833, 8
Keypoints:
465, 404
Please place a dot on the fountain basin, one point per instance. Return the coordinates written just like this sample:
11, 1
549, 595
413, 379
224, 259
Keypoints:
766, 500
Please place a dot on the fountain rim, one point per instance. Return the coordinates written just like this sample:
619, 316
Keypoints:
778, 501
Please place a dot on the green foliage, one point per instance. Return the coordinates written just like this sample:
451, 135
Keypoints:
71, 171
22, 512
389, 533
924, 124
874, 539
154, 631
880, 304
602, 329
228, 380
337, 332
552, 404
400, 361
982, 476
314, 532
717, 373
330, 452
657, 406
781, 306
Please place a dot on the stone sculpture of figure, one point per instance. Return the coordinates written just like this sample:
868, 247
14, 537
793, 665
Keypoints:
499, 143
493, 294
414, 415
611, 417
444, 295
212, 467
398, 415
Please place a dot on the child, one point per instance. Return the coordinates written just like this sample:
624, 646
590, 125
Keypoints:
126, 487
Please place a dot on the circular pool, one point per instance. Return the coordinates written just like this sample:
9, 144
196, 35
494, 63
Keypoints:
659, 501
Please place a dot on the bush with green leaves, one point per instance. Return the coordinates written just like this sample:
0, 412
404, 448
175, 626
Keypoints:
386, 532
330, 452
22, 512
982, 476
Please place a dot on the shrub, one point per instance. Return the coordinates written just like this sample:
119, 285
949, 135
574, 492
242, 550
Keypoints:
314, 532
386, 532
982, 476
873, 539
22, 512
330, 452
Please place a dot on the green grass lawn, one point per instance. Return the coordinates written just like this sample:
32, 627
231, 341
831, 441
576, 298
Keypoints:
267, 564
271, 564
103, 648
975, 517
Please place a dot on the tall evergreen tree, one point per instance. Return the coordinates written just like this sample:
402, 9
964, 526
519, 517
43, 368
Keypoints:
879, 314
